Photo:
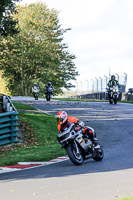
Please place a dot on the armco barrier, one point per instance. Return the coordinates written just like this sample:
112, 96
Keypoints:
8, 128
7, 104
128, 97
8, 122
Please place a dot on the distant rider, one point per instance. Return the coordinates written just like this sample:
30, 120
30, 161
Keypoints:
49, 85
64, 121
112, 83
35, 89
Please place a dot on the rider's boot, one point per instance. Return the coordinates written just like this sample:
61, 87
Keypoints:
96, 143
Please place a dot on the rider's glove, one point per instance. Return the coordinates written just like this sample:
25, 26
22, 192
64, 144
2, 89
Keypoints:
81, 123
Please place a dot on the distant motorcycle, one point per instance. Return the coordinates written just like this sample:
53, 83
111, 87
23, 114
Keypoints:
35, 93
113, 94
78, 147
49, 93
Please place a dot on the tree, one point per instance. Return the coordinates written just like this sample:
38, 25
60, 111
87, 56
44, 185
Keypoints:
3, 89
7, 24
7, 27
37, 52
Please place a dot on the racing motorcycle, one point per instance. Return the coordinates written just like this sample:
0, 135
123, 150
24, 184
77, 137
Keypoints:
78, 147
113, 94
49, 93
36, 93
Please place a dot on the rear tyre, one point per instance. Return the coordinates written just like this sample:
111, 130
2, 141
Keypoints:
74, 154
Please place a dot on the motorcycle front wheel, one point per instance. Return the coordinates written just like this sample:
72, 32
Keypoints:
110, 101
74, 154
36, 97
115, 100
48, 97
98, 154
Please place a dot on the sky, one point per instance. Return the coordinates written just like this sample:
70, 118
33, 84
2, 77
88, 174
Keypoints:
101, 36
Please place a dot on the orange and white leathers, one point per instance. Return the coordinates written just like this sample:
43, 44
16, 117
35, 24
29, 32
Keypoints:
88, 132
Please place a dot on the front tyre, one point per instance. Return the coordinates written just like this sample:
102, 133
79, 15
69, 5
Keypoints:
49, 96
98, 154
36, 97
110, 101
115, 100
74, 154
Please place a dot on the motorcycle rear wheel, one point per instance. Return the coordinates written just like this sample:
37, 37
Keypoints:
74, 156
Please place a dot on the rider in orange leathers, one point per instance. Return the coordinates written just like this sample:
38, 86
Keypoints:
65, 121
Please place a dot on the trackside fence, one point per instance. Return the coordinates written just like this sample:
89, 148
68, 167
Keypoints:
8, 121
103, 96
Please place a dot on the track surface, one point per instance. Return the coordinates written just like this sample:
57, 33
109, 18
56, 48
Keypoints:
109, 179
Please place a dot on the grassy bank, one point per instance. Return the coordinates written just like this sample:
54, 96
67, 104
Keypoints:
43, 145
23, 106
127, 198
85, 100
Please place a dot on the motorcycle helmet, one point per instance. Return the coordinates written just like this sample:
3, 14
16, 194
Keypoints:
113, 78
49, 83
62, 117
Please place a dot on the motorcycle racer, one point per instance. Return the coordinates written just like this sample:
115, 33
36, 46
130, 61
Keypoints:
64, 121
49, 91
47, 86
112, 83
35, 89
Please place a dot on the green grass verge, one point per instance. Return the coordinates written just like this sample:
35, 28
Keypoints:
125, 101
89, 100
126, 198
23, 106
46, 147
85, 100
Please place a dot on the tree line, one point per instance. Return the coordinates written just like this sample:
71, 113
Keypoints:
32, 49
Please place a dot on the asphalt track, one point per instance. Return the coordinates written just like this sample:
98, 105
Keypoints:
112, 178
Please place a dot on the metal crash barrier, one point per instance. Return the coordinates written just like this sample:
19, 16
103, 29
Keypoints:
103, 96
8, 122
